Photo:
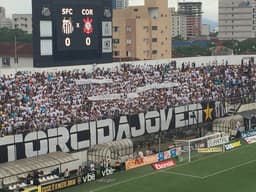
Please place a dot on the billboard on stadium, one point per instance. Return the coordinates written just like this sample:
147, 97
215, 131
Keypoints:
233, 145
210, 150
218, 141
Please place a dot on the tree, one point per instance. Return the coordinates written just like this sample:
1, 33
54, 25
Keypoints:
191, 51
7, 35
241, 47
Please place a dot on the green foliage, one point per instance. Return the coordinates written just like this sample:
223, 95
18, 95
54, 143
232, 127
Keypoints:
7, 35
191, 51
240, 47
214, 34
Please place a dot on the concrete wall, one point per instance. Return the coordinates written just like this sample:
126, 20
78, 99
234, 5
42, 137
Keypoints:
26, 64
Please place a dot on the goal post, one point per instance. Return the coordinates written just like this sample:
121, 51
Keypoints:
196, 148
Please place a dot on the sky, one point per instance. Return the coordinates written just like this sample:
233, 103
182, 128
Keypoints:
210, 7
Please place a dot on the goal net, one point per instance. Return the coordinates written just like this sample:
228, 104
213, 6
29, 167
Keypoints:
196, 148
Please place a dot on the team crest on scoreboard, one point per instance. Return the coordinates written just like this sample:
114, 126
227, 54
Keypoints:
67, 26
88, 29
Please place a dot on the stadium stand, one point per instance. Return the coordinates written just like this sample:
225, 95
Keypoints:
32, 101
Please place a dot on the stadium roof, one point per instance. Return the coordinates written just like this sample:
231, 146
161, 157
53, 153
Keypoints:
248, 114
34, 163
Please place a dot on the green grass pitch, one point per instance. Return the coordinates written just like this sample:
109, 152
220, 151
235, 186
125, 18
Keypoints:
232, 171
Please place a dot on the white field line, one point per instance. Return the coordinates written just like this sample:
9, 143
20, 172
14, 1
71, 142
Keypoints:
183, 174
229, 169
125, 181
213, 174
156, 172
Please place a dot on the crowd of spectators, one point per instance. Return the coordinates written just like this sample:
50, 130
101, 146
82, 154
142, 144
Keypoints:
42, 100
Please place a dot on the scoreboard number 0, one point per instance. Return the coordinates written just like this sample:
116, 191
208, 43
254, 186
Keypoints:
88, 41
67, 42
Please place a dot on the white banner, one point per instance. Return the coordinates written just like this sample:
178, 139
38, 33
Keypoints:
217, 141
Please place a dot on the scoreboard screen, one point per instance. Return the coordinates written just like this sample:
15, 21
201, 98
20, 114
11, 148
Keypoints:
73, 32
77, 27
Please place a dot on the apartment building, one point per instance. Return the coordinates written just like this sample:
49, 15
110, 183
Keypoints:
142, 32
4, 22
23, 22
192, 11
237, 19
178, 23
119, 4
2, 12
205, 30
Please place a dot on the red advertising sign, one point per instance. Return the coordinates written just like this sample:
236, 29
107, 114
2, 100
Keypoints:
164, 164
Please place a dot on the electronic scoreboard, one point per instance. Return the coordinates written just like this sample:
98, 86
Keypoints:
71, 32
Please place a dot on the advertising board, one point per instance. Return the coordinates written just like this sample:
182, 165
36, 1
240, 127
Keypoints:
210, 150
33, 189
217, 141
141, 161
233, 145
168, 154
161, 156
164, 164
59, 185
248, 133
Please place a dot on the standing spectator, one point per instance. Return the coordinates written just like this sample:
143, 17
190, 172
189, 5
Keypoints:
66, 173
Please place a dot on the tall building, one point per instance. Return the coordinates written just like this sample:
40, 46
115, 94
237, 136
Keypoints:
237, 19
120, 4
205, 30
193, 15
142, 32
2, 12
23, 22
4, 22
178, 24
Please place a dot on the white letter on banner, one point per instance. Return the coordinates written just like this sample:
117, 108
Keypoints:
166, 121
149, 116
123, 128
141, 130
36, 136
93, 133
63, 137
8, 141
54, 141
105, 124
75, 129
195, 109
179, 117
